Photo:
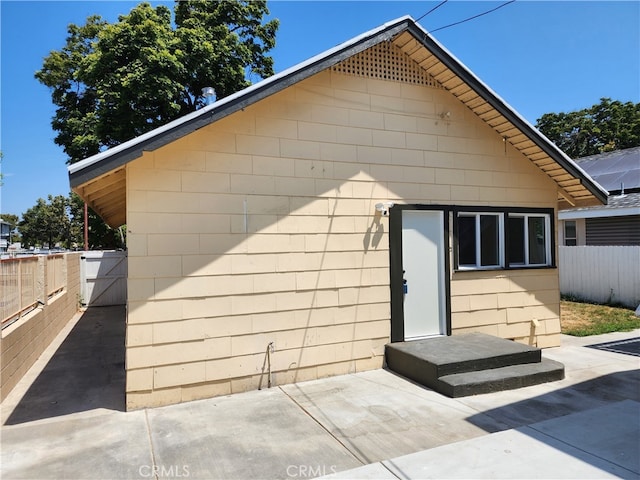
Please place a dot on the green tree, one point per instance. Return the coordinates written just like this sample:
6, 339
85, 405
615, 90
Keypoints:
47, 223
75, 119
112, 82
606, 126
10, 218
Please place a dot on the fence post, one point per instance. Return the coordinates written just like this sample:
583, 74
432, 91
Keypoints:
19, 276
42, 282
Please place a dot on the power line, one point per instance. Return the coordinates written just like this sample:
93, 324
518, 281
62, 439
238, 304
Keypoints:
432, 10
471, 18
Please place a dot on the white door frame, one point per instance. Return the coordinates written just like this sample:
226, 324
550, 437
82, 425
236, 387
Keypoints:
397, 269
423, 268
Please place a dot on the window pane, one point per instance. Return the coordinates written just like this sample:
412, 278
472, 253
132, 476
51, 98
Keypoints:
537, 241
466, 240
570, 242
489, 251
569, 229
516, 240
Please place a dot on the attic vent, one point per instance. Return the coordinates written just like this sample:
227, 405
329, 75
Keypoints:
385, 61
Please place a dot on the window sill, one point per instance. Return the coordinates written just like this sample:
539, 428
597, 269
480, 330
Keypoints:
478, 269
512, 267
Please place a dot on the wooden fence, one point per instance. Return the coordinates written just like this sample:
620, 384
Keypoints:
601, 274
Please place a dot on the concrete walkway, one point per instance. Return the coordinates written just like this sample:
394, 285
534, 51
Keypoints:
66, 420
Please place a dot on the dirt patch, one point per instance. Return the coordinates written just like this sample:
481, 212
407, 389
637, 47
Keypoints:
573, 317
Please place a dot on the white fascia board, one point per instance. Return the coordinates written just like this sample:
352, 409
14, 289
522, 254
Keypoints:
598, 213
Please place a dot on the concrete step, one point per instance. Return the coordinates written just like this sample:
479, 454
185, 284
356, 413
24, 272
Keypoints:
470, 364
498, 379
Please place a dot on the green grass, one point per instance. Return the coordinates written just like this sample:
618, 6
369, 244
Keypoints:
584, 319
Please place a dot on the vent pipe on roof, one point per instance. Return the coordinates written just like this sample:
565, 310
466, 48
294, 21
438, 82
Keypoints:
209, 95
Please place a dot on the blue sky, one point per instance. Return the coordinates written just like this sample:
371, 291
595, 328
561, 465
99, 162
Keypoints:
540, 57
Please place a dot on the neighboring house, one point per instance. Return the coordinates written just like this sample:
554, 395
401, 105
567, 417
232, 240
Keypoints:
618, 222
376, 192
5, 235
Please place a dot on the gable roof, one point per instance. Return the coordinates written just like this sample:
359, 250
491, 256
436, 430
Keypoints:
614, 170
100, 179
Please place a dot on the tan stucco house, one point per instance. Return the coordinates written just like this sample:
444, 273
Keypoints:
377, 192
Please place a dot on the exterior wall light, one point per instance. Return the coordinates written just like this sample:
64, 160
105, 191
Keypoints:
383, 208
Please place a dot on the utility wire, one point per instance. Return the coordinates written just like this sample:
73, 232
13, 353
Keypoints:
432, 10
471, 18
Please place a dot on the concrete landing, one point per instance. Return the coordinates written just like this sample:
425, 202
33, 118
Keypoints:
471, 364
598, 443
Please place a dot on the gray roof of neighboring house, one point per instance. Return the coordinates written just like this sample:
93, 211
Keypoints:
624, 201
626, 205
628, 201
613, 169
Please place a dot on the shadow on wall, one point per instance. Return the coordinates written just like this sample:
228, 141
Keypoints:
85, 373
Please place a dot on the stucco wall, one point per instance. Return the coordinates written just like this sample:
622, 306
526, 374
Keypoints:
25, 340
261, 228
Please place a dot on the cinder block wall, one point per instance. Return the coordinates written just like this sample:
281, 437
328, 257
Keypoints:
24, 341
261, 229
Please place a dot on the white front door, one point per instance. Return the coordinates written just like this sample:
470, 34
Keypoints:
423, 262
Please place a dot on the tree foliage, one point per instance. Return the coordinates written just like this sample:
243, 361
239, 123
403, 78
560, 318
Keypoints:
606, 126
47, 223
59, 221
11, 219
113, 82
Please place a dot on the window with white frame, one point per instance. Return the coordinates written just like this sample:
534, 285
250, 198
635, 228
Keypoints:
503, 239
529, 240
480, 240
570, 233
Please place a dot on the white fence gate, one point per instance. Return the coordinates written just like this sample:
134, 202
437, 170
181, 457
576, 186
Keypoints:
103, 277
601, 274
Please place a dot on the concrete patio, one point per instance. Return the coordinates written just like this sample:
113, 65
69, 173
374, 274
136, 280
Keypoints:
66, 419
